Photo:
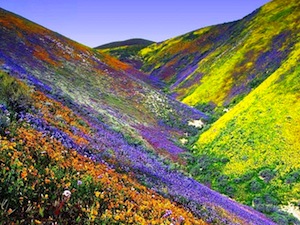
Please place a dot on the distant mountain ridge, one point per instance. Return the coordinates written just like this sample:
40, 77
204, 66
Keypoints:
127, 51
135, 41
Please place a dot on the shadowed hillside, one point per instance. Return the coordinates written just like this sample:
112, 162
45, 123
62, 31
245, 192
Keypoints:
139, 42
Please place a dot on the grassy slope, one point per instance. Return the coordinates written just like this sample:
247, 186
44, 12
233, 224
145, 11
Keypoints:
219, 65
255, 55
259, 140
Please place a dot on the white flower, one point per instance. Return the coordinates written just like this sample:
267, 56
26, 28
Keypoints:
67, 194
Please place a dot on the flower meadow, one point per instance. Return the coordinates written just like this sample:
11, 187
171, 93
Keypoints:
245, 75
46, 150
45, 180
84, 141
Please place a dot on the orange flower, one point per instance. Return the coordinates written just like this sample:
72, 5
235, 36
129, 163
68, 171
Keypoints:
37, 222
10, 211
47, 181
24, 174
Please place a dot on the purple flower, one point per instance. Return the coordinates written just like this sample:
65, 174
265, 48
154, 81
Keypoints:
180, 219
167, 213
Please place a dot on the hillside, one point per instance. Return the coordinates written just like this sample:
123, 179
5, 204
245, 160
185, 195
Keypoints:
53, 170
96, 83
47, 150
84, 140
258, 142
247, 71
217, 66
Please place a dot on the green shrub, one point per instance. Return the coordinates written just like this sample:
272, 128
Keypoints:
14, 93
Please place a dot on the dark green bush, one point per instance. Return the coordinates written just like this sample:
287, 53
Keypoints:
293, 177
255, 186
223, 181
267, 174
247, 176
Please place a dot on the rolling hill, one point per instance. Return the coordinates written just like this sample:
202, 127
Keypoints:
126, 51
85, 140
138, 42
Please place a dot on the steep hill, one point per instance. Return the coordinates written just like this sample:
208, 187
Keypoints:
102, 86
78, 130
252, 152
217, 66
52, 170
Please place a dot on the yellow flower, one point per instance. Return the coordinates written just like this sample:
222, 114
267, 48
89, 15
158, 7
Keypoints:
19, 164
68, 185
117, 217
97, 193
37, 222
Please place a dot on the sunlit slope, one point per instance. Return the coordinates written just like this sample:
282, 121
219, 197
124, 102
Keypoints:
219, 65
255, 147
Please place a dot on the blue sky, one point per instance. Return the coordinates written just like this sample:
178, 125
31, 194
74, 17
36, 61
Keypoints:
96, 22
